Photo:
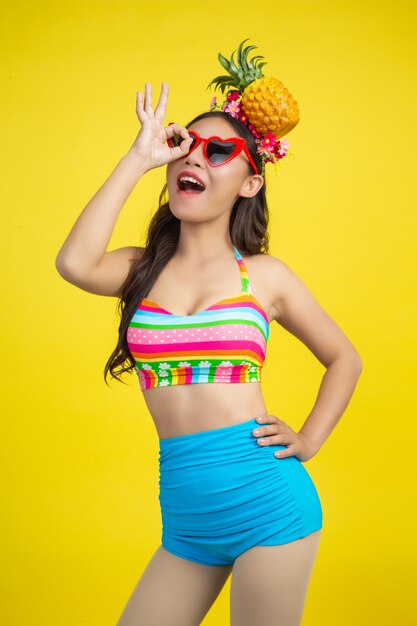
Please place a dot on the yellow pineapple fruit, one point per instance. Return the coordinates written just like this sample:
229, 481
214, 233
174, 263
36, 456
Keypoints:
265, 101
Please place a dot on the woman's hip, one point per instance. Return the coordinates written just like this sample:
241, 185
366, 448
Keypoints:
224, 474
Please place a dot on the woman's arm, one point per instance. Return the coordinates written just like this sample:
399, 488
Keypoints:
82, 259
335, 391
300, 313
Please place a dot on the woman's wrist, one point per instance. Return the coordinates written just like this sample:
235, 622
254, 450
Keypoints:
136, 162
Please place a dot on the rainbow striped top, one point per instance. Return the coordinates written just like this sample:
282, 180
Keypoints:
225, 343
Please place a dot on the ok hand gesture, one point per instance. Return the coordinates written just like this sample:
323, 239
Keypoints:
150, 144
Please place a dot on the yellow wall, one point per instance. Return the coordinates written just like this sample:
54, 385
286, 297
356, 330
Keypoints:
79, 460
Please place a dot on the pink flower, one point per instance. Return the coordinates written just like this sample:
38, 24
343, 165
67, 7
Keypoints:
283, 148
254, 131
265, 151
213, 103
271, 149
242, 117
233, 108
269, 141
261, 150
233, 95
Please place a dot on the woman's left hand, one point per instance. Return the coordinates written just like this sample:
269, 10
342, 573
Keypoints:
273, 430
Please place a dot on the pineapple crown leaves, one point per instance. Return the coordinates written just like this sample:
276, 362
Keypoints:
242, 74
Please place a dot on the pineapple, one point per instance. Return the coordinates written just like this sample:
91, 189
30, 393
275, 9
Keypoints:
265, 101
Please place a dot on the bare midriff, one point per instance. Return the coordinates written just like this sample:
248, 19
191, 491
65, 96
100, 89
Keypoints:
186, 409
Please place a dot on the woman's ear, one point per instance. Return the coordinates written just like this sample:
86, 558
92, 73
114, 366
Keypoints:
251, 186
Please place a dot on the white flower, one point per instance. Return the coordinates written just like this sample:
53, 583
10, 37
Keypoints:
253, 368
163, 383
164, 366
163, 373
184, 364
225, 363
204, 364
146, 366
253, 380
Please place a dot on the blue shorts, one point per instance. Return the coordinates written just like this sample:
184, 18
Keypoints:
221, 493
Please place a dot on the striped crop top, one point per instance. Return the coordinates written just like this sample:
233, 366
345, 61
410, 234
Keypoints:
225, 343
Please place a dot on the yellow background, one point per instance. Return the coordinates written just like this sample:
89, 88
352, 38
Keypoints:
79, 460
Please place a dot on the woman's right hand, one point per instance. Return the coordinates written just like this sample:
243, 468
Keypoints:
150, 144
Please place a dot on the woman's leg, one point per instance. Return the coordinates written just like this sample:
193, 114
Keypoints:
173, 591
269, 583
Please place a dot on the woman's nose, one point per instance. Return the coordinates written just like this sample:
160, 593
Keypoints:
196, 156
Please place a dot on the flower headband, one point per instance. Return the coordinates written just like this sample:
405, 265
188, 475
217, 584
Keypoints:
262, 103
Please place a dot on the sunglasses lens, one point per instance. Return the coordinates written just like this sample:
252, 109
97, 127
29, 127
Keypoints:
219, 151
176, 140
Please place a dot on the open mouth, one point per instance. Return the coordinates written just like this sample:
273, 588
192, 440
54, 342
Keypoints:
188, 184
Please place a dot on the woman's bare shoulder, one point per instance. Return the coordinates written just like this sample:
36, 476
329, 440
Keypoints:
266, 263
274, 280
265, 275
279, 275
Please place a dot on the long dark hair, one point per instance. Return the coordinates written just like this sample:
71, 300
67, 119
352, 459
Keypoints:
248, 226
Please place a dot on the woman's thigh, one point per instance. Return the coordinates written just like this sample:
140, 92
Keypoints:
269, 583
173, 591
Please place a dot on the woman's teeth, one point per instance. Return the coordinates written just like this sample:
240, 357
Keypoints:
190, 185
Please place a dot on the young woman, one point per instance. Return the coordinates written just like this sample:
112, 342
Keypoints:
196, 304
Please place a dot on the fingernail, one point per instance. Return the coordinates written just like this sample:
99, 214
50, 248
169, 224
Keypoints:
259, 419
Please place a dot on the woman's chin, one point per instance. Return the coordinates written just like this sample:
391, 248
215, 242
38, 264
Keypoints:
185, 209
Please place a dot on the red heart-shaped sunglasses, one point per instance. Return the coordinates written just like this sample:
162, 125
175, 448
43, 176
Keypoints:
217, 151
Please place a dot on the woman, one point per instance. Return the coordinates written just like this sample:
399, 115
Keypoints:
196, 306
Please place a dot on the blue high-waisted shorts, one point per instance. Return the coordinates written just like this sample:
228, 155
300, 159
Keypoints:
221, 493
